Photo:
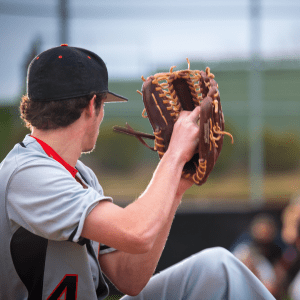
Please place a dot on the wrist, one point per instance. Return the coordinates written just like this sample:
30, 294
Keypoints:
177, 160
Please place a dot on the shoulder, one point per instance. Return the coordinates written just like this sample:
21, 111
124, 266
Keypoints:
29, 166
27, 151
89, 176
26, 159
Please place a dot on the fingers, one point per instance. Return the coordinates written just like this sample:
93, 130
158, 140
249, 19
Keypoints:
185, 136
195, 114
192, 116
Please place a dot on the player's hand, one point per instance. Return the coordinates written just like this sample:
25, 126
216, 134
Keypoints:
185, 136
291, 223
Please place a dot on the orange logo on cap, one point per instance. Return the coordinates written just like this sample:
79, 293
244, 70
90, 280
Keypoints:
64, 45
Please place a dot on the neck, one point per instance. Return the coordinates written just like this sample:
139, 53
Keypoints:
66, 142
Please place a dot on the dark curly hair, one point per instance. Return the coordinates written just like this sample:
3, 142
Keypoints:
56, 114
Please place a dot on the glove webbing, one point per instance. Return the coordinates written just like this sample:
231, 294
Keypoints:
167, 92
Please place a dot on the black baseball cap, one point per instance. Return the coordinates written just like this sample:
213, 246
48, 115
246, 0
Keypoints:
68, 72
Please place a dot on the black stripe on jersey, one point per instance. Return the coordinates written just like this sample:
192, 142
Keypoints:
101, 289
70, 239
28, 253
22, 144
81, 175
82, 241
104, 247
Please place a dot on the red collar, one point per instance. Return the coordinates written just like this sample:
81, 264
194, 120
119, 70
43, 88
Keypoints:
50, 152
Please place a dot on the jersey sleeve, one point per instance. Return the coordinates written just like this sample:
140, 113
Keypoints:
89, 176
45, 199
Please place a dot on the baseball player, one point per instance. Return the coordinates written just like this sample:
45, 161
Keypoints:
60, 232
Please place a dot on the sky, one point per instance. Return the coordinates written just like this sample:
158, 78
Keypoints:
135, 37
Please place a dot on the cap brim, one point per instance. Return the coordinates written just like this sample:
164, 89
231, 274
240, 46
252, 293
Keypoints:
112, 97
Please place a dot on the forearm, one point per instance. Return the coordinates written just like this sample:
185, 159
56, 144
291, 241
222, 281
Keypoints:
135, 270
150, 259
159, 201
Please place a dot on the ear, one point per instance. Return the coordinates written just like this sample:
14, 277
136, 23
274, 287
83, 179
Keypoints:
90, 109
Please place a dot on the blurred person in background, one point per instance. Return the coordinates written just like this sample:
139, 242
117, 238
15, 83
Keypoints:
60, 233
274, 255
260, 247
288, 268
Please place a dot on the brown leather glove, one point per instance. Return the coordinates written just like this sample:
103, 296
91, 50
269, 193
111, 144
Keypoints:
165, 95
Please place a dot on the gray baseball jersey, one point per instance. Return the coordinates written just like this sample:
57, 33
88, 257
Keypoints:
42, 212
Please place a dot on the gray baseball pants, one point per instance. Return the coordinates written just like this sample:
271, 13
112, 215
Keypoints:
210, 274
